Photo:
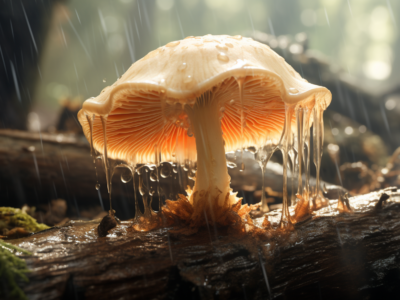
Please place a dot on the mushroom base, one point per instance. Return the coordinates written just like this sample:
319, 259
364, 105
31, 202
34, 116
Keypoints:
206, 211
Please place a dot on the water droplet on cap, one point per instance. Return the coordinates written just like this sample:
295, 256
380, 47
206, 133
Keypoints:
293, 90
232, 101
223, 57
173, 44
182, 67
221, 47
188, 79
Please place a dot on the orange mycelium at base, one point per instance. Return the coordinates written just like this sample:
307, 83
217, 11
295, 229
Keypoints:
196, 99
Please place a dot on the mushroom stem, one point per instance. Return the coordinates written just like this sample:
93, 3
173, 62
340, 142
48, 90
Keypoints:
211, 161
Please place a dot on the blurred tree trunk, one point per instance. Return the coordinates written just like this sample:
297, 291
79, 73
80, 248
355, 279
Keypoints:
24, 27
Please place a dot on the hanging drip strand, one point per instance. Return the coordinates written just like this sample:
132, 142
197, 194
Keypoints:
318, 140
106, 161
240, 82
262, 156
94, 153
284, 147
292, 158
300, 146
306, 150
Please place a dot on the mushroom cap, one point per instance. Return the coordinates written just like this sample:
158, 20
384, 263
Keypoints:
145, 107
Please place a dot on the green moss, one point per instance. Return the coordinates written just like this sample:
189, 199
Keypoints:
14, 217
12, 271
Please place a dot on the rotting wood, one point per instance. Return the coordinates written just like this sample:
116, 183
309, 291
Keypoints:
349, 256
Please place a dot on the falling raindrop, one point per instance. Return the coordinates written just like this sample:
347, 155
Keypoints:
104, 80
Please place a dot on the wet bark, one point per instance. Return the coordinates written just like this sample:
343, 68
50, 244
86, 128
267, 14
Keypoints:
35, 168
330, 256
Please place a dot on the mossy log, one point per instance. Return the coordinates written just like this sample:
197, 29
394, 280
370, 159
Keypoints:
352, 255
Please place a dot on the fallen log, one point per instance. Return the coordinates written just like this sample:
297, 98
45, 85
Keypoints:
36, 168
352, 255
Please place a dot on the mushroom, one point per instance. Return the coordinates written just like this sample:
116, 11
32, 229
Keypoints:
196, 99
